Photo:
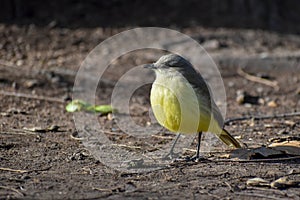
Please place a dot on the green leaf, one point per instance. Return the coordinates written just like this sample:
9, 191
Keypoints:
75, 105
104, 109
79, 105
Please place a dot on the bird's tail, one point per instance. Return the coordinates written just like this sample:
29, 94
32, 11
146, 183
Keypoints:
229, 139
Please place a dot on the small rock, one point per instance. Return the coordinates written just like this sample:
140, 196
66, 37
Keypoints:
109, 116
290, 123
272, 104
211, 44
247, 105
261, 101
264, 55
240, 96
230, 84
260, 89
20, 63
30, 83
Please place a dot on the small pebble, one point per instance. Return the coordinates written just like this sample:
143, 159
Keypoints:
20, 63
272, 104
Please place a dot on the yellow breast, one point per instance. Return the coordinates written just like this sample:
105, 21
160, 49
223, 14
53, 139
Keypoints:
177, 107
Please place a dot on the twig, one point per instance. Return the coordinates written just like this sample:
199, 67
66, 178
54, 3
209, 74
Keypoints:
262, 117
126, 146
31, 96
249, 77
187, 149
12, 189
13, 170
23, 171
20, 132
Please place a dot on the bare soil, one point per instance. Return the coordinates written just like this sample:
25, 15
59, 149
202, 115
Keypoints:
38, 66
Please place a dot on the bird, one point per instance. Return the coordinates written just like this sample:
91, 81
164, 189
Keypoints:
181, 101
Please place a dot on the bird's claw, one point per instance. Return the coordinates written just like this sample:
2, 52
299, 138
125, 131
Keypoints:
196, 158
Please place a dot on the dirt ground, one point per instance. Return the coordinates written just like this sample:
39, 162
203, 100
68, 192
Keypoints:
37, 71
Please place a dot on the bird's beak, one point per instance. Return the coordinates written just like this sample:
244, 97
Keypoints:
150, 66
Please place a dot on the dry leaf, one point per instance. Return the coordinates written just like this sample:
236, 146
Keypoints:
260, 153
258, 182
284, 139
288, 145
291, 143
284, 182
267, 152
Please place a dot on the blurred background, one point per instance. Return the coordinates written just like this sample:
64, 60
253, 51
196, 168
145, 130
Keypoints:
274, 15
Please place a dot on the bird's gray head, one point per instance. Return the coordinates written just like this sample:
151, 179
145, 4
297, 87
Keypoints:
171, 62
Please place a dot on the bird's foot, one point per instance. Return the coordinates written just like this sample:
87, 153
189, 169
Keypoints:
189, 159
195, 158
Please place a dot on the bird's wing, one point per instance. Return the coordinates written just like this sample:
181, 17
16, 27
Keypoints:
204, 94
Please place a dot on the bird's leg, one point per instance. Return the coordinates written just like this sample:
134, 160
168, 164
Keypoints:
198, 145
197, 157
171, 155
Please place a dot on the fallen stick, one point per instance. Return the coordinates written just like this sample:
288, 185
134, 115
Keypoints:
13, 170
249, 77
